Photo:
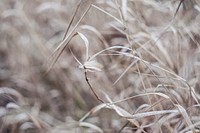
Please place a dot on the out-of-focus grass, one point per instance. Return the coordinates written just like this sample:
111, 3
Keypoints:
138, 57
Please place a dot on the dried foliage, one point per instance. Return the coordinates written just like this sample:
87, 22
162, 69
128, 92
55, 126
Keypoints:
99, 66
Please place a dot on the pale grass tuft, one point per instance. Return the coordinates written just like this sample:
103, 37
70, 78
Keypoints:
119, 66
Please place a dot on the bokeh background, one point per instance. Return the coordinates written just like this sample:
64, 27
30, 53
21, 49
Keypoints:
142, 55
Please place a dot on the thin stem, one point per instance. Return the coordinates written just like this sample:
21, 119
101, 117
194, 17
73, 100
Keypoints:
87, 80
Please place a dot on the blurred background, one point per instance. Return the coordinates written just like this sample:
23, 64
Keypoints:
142, 55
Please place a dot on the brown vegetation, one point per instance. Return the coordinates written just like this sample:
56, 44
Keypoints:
99, 66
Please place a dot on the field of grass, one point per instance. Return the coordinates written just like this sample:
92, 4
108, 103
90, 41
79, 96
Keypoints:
99, 66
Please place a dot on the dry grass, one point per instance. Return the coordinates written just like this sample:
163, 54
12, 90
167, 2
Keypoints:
99, 66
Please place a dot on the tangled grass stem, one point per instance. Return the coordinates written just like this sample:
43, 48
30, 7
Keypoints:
91, 88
